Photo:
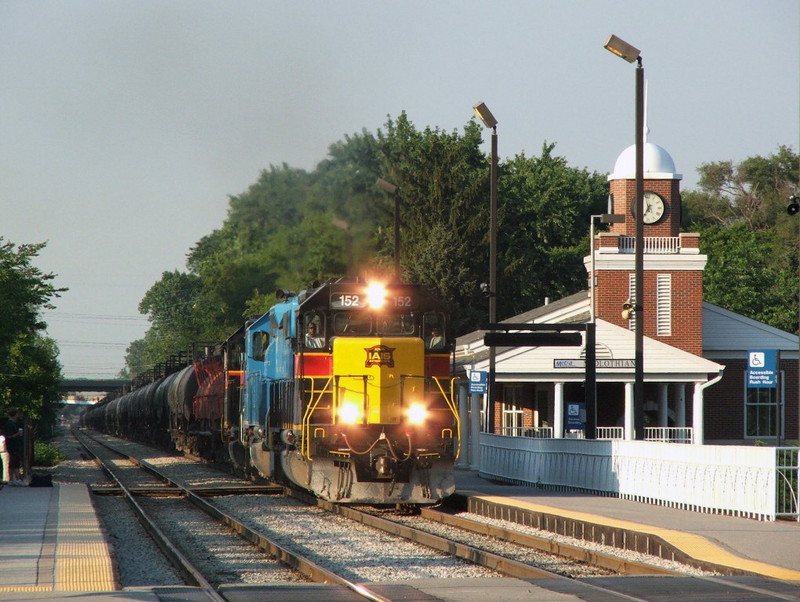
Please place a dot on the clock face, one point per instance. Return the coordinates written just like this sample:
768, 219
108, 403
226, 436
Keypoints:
653, 208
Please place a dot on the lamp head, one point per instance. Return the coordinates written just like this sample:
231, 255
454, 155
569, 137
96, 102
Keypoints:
794, 205
611, 218
386, 186
621, 48
485, 115
628, 309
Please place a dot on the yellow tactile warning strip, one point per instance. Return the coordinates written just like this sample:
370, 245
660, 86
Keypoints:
11, 589
82, 556
696, 546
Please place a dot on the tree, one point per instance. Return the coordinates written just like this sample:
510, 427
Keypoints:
743, 275
443, 186
293, 227
29, 368
752, 244
545, 228
754, 191
33, 376
174, 305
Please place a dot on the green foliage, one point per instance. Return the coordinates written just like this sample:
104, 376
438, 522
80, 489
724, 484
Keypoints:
744, 274
24, 291
46, 454
753, 192
443, 182
751, 242
29, 368
545, 226
32, 376
293, 227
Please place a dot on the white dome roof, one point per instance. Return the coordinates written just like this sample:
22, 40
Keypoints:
658, 165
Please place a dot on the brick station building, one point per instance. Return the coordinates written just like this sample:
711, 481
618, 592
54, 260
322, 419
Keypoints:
695, 353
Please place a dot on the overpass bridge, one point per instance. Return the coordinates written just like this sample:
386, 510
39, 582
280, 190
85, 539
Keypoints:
79, 385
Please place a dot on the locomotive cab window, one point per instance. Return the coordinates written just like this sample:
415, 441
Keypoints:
433, 328
397, 324
259, 342
314, 337
351, 323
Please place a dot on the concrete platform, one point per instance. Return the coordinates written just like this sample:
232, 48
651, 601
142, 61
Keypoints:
770, 549
50, 540
52, 546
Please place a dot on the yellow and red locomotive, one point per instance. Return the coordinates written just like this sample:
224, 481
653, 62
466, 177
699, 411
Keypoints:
347, 392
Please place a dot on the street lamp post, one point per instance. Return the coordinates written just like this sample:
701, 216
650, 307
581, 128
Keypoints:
485, 115
631, 54
793, 208
591, 332
391, 189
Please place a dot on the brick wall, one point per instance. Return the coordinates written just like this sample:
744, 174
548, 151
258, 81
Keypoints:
611, 291
724, 402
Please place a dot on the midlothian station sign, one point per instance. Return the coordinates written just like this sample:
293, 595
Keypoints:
598, 363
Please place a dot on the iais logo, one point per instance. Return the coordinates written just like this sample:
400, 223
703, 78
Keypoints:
379, 355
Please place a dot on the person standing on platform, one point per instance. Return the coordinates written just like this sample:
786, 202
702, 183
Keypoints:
5, 462
14, 446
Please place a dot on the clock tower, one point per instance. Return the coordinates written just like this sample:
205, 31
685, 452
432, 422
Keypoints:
673, 266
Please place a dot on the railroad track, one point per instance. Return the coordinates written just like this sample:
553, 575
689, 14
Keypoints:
602, 580
271, 550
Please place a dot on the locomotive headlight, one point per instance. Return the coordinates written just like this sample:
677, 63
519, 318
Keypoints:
350, 412
376, 295
417, 413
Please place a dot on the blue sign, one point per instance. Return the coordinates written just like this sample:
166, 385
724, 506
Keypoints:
576, 415
477, 383
762, 369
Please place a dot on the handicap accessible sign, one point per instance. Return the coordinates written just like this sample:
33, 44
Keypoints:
477, 383
762, 369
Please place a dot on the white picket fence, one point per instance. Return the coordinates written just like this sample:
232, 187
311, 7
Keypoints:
735, 480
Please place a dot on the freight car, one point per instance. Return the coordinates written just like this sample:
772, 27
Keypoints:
344, 389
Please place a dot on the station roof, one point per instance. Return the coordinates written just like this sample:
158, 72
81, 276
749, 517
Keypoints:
615, 349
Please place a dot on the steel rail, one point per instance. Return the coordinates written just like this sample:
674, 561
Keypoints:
592, 557
163, 542
472, 554
303, 565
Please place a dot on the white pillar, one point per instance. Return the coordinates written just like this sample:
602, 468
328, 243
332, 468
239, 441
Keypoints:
680, 404
663, 405
558, 410
697, 414
466, 427
475, 432
629, 435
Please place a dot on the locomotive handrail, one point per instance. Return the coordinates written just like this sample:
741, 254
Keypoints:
448, 399
316, 396
453, 408
305, 428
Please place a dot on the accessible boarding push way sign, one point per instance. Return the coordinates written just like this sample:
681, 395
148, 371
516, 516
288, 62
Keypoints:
762, 369
477, 383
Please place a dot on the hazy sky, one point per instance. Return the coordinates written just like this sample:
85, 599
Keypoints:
125, 126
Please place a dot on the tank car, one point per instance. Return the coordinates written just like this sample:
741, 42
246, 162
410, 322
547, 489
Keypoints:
346, 391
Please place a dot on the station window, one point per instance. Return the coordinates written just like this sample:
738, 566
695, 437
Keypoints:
512, 410
760, 412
